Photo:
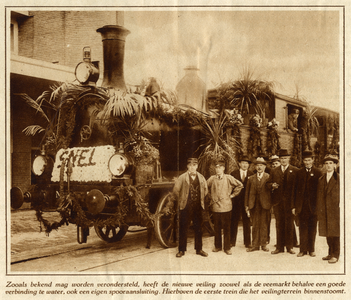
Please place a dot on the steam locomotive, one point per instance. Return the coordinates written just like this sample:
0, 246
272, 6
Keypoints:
88, 174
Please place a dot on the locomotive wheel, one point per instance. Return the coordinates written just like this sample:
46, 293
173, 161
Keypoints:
166, 224
208, 224
111, 234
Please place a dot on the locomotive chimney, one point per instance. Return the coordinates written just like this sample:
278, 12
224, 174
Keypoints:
113, 41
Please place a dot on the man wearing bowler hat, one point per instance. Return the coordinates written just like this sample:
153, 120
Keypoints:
281, 183
258, 205
238, 210
304, 202
222, 188
328, 207
190, 189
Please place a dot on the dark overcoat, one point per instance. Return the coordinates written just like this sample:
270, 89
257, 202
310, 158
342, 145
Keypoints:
241, 196
301, 186
282, 193
252, 194
328, 208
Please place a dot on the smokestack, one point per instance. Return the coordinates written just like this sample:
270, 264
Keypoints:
113, 41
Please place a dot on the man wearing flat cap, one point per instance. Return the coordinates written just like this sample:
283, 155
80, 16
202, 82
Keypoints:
281, 183
222, 188
258, 205
238, 210
190, 189
328, 207
304, 202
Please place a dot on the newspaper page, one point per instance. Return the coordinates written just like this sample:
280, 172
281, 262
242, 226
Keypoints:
109, 109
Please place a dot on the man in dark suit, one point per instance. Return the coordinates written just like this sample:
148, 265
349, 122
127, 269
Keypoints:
258, 205
304, 203
328, 208
281, 183
238, 210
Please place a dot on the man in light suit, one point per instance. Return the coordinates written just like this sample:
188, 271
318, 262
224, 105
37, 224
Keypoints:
238, 210
258, 205
190, 189
281, 183
328, 208
304, 203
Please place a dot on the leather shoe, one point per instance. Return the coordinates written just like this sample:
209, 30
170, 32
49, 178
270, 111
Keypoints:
300, 254
180, 254
228, 252
248, 246
313, 254
290, 251
333, 260
216, 249
202, 253
276, 251
252, 249
264, 248
327, 257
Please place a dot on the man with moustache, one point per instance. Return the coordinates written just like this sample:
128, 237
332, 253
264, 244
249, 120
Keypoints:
258, 204
304, 202
190, 189
238, 210
328, 207
281, 183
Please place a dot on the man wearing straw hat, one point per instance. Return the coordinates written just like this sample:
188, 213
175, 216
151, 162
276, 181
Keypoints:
258, 204
281, 183
328, 207
190, 189
304, 203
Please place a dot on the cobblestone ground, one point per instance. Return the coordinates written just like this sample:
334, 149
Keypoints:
130, 255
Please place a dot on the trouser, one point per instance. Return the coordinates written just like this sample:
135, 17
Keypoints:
221, 221
308, 230
237, 212
334, 246
191, 212
284, 227
260, 217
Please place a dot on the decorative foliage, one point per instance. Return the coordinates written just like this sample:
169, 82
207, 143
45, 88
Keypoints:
144, 153
296, 156
255, 143
215, 147
246, 94
273, 144
75, 214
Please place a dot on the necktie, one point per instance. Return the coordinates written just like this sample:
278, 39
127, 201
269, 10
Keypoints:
242, 176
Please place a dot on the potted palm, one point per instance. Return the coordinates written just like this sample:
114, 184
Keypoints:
250, 96
215, 146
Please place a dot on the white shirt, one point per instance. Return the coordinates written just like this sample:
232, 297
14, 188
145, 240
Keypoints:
259, 175
243, 174
284, 168
329, 175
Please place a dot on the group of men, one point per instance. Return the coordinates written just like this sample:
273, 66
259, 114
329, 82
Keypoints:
306, 195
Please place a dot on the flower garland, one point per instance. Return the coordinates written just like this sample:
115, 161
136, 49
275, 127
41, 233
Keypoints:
273, 144
296, 155
144, 153
74, 213
255, 142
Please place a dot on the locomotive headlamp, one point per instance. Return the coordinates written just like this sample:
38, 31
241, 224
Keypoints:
87, 72
118, 164
39, 164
